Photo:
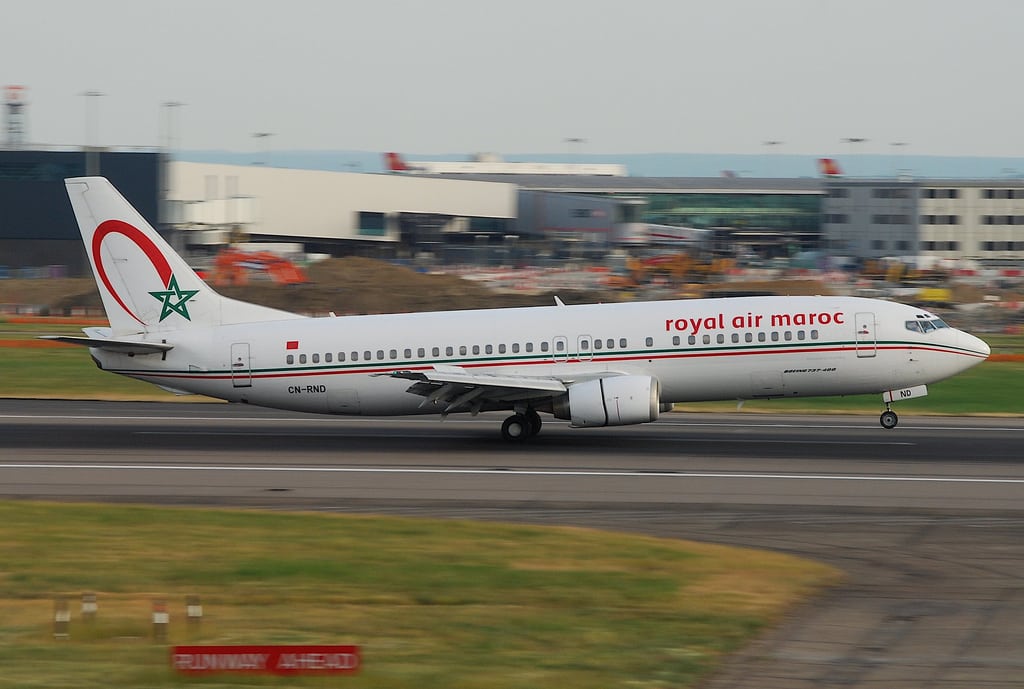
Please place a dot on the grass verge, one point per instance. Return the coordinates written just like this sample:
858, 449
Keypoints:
432, 603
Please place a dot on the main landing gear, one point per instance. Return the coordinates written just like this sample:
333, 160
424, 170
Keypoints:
520, 426
888, 419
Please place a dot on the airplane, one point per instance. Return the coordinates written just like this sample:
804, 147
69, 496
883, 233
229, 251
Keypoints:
595, 365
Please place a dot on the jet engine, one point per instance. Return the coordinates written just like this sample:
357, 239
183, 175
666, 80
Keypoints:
611, 401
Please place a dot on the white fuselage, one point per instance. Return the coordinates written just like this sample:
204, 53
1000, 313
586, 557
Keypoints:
707, 349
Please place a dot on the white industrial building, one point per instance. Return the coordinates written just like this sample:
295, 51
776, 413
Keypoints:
325, 207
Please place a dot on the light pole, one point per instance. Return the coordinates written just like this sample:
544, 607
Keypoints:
896, 146
168, 142
168, 135
266, 152
92, 163
769, 145
571, 141
853, 141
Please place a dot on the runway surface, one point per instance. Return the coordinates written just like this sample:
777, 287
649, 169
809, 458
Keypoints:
926, 519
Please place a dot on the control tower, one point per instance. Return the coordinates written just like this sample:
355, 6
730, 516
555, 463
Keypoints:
16, 122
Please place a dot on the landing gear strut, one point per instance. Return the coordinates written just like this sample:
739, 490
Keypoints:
888, 419
519, 427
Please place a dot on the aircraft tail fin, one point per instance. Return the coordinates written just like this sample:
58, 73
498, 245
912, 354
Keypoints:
395, 162
144, 284
829, 167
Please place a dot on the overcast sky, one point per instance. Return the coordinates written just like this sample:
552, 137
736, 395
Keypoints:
522, 76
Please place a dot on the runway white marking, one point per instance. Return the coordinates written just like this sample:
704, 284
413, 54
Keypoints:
504, 472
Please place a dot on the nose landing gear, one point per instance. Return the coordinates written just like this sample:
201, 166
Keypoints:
888, 419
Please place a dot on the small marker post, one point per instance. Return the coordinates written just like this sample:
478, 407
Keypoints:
193, 611
161, 620
61, 619
89, 607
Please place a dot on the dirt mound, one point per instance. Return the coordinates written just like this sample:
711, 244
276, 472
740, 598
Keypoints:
341, 285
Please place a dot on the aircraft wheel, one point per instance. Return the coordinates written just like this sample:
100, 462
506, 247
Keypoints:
888, 419
533, 418
516, 428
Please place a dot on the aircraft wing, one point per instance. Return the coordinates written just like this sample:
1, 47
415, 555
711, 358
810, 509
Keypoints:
111, 345
458, 388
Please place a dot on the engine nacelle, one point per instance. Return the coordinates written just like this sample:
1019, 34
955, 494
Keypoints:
612, 401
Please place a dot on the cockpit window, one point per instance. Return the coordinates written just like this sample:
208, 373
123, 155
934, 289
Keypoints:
926, 326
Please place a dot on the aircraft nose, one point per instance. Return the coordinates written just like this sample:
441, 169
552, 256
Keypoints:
977, 345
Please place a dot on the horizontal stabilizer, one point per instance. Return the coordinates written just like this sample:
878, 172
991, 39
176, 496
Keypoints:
119, 346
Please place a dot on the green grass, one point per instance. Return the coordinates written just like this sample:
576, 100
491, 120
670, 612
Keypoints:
432, 603
67, 372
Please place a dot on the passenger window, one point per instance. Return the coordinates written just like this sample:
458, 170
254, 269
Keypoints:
814, 334
515, 347
501, 349
544, 346
707, 339
316, 358
380, 355
448, 351
584, 344
597, 343
775, 336
801, 335
488, 349
649, 341
436, 351
355, 356
462, 350
748, 337
328, 357
421, 353
476, 349
787, 336
675, 340
341, 356
691, 340
290, 358
393, 354
559, 346
735, 338
622, 342
367, 355
302, 358
529, 346
720, 339
761, 337
408, 353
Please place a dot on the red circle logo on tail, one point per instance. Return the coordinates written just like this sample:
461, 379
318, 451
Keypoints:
148, 246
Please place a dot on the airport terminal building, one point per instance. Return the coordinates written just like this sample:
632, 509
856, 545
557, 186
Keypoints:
506, 218
874, 218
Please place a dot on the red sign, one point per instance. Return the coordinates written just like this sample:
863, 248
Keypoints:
273, 660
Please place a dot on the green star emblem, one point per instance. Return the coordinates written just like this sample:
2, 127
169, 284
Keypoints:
174, 299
